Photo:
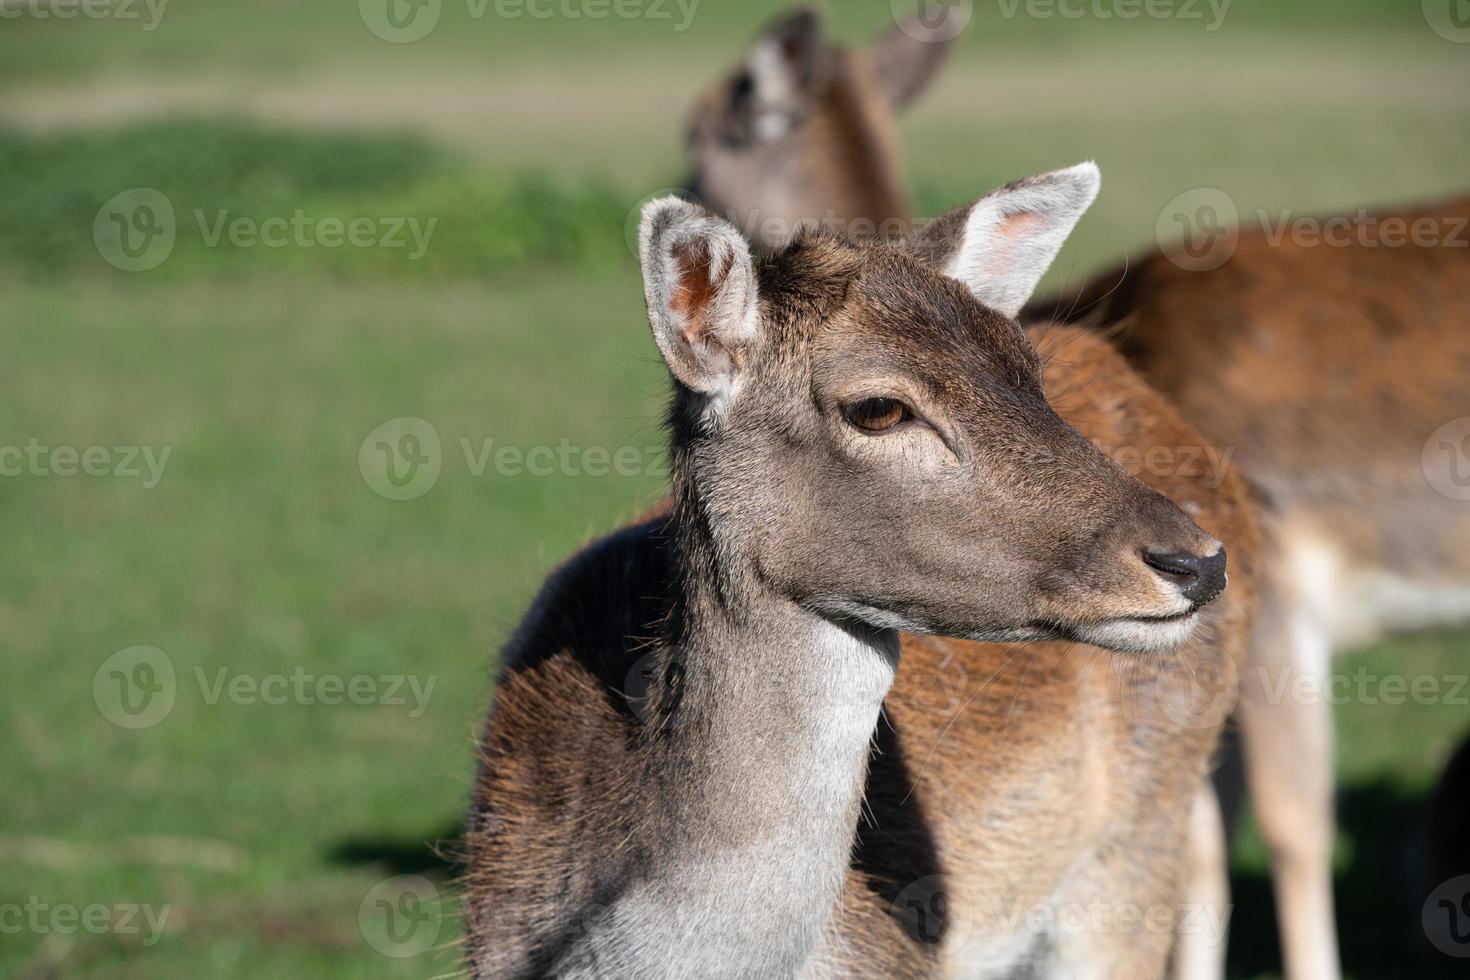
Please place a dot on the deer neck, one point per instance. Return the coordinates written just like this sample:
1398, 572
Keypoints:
767, 713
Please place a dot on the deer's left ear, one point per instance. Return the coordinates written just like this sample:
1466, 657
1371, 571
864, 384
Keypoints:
700, 284
910, 54
1002, 245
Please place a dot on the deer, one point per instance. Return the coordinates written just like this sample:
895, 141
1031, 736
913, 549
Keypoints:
801, 133
1323, 372
717, 746
1336, 375
835, 163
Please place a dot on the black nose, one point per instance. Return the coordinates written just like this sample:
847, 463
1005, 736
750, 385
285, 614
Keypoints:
1200, 577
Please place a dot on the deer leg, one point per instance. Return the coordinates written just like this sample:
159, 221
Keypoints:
1199, 951
1286, 736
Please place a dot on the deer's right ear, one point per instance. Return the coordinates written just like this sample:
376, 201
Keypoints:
699, 281
1001, 245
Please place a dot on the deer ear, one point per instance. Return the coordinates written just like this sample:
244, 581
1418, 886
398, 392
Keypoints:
699, 281
1002, 245
909, 55
788, 60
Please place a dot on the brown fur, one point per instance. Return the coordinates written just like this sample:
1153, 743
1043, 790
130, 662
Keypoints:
1325, 369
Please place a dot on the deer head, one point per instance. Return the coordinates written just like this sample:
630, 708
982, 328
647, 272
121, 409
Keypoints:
805, 127
861, 427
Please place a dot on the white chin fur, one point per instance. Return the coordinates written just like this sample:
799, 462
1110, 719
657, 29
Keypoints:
1138, 635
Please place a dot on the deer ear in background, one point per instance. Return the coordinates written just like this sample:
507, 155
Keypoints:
908, 56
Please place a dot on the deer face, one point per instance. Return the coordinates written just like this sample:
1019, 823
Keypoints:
865, 427
800, 118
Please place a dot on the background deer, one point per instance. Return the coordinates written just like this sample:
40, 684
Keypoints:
1332, 372
1324, 371
860, 446
800, 133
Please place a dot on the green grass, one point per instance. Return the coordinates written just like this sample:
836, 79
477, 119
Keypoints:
262, 550
291, 37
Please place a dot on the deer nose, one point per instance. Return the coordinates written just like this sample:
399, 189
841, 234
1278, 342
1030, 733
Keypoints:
1200, 578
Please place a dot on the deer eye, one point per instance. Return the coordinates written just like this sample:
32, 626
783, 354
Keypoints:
742, 88
873, 415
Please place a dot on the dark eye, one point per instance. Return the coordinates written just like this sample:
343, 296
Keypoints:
877, 414
742, 88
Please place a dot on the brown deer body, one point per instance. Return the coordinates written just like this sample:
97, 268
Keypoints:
1329, 372
1322, 371
688, 722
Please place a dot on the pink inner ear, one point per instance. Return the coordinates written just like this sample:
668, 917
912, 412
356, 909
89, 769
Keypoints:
1017, 225
696, 288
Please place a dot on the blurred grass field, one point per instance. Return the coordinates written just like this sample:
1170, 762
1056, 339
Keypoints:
262, 550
